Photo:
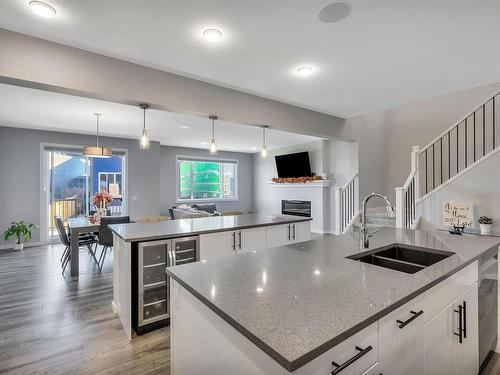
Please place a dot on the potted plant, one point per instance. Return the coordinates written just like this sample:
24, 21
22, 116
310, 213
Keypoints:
21, 231
485, 224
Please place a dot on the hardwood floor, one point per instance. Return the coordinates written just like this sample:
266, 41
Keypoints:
52, 325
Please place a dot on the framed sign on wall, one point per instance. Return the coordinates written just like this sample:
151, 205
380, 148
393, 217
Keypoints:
458, 214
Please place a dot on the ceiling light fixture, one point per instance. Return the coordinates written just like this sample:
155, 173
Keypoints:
184, 126
212, 35
263, 150
97, 151
213, 144
304, 71
42, 9
144, 140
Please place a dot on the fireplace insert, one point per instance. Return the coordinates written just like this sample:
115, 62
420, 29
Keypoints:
297, 208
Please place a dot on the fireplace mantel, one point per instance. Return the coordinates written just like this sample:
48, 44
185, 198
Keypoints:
312, 184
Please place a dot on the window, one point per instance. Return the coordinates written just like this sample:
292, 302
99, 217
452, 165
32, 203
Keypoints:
206, 179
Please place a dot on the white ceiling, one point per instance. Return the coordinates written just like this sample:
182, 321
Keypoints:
36, 109
384, 54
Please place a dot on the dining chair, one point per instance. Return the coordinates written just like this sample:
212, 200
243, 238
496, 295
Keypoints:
105, 238
83, 240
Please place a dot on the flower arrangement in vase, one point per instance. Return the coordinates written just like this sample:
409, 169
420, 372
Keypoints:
102, 200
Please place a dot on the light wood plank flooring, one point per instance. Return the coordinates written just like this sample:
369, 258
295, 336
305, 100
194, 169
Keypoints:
52, 325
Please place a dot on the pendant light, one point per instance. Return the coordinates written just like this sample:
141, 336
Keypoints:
97, 151
263, 150
213, 144
144, 140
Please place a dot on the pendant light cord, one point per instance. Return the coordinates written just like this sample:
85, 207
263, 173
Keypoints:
144, 109
97, 115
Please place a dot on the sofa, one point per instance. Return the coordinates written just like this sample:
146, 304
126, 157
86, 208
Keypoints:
194, 211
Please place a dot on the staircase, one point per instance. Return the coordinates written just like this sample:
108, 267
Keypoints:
463, 146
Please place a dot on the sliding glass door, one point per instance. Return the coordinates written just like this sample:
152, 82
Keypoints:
72, 180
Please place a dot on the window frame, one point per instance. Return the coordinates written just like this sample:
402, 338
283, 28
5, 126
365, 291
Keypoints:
179, 158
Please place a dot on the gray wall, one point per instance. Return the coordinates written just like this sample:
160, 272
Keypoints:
20, 173
167, 177
480, 185
74, 71
385, 138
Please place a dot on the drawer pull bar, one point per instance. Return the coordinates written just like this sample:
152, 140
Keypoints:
350, 361
408, 321
464, 310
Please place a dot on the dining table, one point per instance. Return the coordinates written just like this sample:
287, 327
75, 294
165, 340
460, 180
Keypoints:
77, 226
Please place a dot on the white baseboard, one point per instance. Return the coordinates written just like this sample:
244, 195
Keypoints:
31, 244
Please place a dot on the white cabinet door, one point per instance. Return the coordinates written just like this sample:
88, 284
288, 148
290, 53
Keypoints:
439, 343
215, 245
444, 353
401, 341
251, 239
467, 353
301, 232
279, 235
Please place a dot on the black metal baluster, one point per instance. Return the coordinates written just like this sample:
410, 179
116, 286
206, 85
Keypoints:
457, 147
406, 209
494, 126
449, 155
433, 165
441, 157
484, 130
465, 141
426, 172
474, 136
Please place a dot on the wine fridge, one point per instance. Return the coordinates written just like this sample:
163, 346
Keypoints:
153, 285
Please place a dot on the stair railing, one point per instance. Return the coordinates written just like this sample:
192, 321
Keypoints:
346, 204
465, 144
406, 196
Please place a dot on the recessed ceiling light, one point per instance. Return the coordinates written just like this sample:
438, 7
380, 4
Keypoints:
259, 290
42, 9
304, 71
184, 126
203, 143
254, 148
212, 35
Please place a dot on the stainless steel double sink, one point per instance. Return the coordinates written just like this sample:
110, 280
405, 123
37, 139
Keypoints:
401, 257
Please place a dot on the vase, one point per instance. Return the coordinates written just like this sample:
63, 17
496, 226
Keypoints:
18, 246
485, 228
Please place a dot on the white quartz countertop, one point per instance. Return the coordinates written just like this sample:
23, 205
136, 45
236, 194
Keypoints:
296, 302
187, 227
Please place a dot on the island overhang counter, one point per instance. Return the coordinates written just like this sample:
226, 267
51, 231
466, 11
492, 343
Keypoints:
142, 251
286, 309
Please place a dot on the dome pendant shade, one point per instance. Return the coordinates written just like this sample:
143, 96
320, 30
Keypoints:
97, 151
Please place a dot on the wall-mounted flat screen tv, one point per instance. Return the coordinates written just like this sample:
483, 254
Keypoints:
293, 165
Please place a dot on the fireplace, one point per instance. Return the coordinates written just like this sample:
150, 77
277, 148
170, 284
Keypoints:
296, 208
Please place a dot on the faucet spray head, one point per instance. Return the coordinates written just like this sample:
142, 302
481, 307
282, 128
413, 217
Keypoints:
390, 210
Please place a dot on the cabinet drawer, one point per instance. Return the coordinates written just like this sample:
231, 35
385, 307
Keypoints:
345, 351
154, 254
154, 274
441, 295
154, 294
154, 311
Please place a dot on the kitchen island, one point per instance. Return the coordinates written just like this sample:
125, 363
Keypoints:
142, 251
306, 308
